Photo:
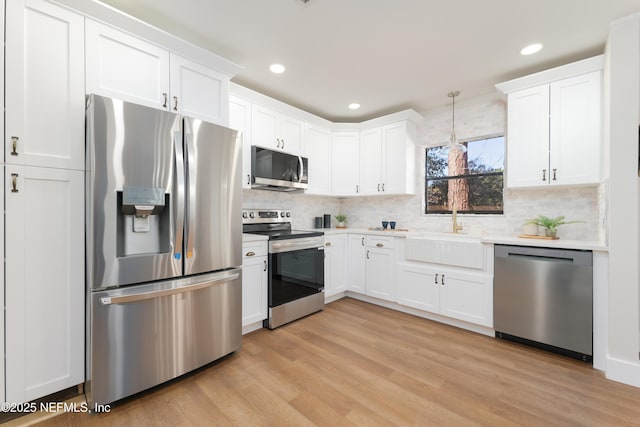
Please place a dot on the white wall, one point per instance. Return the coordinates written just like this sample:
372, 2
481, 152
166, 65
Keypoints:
621, 134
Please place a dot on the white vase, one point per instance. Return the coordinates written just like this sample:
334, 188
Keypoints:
530, 229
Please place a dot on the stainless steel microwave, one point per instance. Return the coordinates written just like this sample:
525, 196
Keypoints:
278, 171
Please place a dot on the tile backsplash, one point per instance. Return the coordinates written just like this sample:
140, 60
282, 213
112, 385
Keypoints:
482, 117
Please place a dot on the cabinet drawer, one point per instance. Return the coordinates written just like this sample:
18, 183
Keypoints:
376, 241
254, 249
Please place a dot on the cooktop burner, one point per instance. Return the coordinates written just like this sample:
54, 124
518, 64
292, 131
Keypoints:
274, 223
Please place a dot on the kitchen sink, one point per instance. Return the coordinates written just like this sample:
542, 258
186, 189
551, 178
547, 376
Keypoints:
455, 249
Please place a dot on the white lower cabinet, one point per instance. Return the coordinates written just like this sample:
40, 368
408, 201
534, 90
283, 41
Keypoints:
335, 264
255, 276
380, 267
460, 294
357, 263
44, 289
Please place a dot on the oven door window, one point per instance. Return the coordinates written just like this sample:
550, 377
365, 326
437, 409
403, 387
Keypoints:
294, 275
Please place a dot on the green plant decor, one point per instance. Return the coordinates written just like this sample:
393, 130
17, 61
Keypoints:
341, 218
549, 223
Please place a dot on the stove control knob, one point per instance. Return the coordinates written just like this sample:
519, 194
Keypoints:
245, 215
252, 215
282, 214
288, 214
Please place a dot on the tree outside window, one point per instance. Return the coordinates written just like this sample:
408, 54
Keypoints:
472, 181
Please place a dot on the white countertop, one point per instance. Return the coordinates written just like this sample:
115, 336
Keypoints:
492, 239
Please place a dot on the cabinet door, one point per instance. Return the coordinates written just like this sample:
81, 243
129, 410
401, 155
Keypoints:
198, 91
45, 290
576, 131
345, 164
381, 273
528, 137
264, 127
44, 85
371, 161
318, 151
290, 132
125, 67
335, 264
356, 263
254, 289
240, 119
396, 147
467, 296
419, 287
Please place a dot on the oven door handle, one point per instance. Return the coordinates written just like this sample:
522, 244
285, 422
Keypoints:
298, 244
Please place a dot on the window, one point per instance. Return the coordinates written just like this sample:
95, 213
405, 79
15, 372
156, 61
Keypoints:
472, 181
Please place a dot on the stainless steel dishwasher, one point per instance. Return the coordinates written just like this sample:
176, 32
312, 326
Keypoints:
544, 297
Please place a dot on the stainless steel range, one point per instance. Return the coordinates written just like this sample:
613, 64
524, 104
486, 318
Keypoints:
296, 265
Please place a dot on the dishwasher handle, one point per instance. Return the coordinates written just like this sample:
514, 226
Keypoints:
530, 253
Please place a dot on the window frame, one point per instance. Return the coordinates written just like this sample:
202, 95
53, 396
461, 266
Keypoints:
465, 140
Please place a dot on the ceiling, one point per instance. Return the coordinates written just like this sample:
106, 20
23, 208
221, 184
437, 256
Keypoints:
386, 55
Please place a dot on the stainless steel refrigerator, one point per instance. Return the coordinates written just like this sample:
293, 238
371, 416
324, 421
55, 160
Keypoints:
164, 291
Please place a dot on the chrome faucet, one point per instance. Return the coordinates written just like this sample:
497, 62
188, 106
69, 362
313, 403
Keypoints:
455, 227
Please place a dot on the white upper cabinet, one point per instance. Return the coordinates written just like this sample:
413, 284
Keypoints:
554, 129
240, 119
317, 148
387, 159
345, 163
45, 85
198, 91
125, 67
276, 131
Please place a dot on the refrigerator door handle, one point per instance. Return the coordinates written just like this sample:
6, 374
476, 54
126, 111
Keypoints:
190, 162
157, 294
180, 194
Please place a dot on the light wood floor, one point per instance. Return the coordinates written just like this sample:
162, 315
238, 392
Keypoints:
359, 364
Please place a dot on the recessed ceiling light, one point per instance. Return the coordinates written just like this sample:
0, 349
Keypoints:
277, 68
531, 49
354, 106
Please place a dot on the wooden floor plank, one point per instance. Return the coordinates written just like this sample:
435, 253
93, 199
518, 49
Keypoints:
356, 364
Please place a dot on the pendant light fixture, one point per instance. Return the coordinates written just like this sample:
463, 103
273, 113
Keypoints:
454, 145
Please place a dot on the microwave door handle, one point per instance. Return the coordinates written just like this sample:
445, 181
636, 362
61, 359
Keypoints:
300, 169
178, 204
191, 198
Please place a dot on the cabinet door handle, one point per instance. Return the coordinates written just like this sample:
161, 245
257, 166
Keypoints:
265, 265
327, 244
283, 144
175, 103
357, 188
166, 99
250, 253
248, 179
14, 145
379, 245
554, 175
544, 174
368, 254
378, 188
436, 280
383, 186
14, 183
362, 241
442, 280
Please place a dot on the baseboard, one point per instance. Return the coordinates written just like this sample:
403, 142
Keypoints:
623, 371
251, 327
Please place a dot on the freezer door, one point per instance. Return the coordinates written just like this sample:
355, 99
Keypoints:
135, 193
144, 335
213, 229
